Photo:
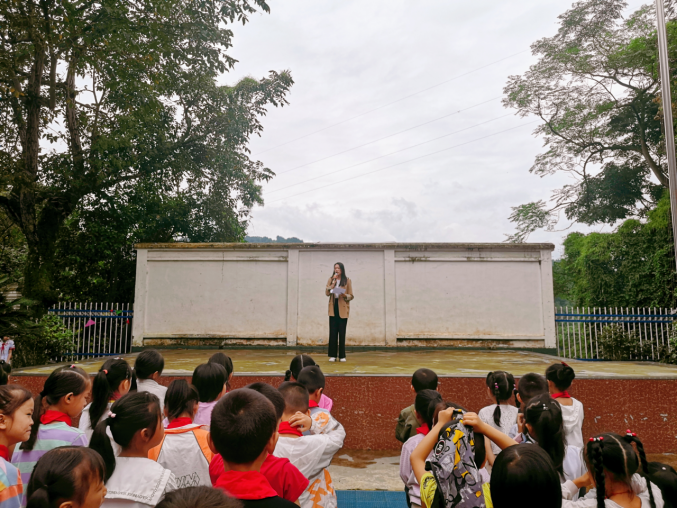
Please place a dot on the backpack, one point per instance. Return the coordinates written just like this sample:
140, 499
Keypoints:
454, 467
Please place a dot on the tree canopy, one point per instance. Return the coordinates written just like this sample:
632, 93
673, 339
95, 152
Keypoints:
596, 89
112, 122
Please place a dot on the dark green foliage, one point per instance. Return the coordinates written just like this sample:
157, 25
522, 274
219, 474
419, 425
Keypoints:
619, 343
631, 267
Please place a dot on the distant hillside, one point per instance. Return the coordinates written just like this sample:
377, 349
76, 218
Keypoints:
266, 239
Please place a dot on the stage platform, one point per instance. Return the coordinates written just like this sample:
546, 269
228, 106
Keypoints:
371, 388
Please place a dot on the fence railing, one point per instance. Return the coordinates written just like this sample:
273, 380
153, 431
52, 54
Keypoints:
99, 329
587, 333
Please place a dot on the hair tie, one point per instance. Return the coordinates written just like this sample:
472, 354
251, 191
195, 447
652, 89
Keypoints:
105, 372
630, 434
496, 386
595, 439
111, 414
72, 366
564, 364
545, 408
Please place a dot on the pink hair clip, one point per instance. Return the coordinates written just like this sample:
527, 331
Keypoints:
105, 372
72, 366
496, 386
111, 415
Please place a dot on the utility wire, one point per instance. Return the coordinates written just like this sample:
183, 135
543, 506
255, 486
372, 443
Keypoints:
389, 136
404, 162
390, 153
392, 102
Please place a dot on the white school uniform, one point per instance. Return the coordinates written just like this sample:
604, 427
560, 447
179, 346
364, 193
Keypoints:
84, 425
638, 484
185, 451
5, 348
150, 386
573, 419
509, 414
312, 455
137, 483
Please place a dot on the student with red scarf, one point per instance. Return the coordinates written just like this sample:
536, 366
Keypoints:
560, 377
243, 430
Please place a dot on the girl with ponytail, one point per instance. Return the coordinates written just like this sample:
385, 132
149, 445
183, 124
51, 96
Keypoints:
559, 377
612, 463
502, 414
111, 382
226, 363
62, 398
544, 425
185, 448
148, 368
67, 477
132, 479
16, 419
296, 365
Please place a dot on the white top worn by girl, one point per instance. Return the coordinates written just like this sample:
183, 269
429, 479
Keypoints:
638, 484
150, 386
137, 483
573, 418
84, 425
509, 414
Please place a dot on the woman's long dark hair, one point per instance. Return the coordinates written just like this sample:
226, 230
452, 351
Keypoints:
525, 468
129, 414
226, 363
546, 418
61, 382
614, 453
298, 363
501, 384
113, 372
64, 474
180, 397
147, 363
344, 279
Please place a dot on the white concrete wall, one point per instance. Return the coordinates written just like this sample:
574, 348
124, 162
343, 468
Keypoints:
408, 294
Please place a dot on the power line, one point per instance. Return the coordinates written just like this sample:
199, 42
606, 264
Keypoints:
389, 103
390, 153
389, 136
404, 162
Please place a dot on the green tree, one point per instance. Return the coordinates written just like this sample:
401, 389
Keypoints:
631, 267
96, 97
596, 89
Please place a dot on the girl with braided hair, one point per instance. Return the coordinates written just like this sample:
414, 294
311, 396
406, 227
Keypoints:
559, 377
502, 414
613, 463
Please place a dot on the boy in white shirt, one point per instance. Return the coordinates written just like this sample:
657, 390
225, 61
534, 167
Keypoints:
6, 349
311, 454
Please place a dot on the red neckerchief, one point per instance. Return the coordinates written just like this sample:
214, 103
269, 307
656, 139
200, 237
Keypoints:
4, 452
114, 397
561, 395
423, 429
249, 485
51, 416
286, 428
312, 403
179, 422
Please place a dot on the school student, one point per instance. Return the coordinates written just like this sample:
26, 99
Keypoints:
314, 381
210, 381
530, 385
311, 454
67, 477
184, 449
16, 420
5, 371
612, 464
422, 406
285, 478
6, 349
422, 379
292, 374
226, 363
524, 475
148, 368
198, 497
501, 415
560, 377
62, 398
111, 382
132, 479
243, 431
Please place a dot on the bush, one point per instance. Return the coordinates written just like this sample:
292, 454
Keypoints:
38, 344
617, 343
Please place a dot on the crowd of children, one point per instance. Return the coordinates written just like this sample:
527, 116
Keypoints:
140, 444
529, 455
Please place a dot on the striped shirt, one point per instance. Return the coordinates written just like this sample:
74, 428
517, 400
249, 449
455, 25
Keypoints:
50, 436
11, 486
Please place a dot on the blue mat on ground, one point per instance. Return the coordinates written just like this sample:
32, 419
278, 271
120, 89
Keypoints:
371, 499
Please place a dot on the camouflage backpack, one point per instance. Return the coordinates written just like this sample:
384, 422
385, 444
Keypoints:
454, 467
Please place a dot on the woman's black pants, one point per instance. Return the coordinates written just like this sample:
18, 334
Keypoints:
337, 334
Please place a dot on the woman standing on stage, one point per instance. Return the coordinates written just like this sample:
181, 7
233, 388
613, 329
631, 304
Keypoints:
338, 311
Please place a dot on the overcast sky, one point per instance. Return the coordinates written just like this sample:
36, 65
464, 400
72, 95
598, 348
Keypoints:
350, 57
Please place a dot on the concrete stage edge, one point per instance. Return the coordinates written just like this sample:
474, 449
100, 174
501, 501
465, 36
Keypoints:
370, 390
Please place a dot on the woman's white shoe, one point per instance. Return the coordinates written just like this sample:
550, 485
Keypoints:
332, 359
342, 359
